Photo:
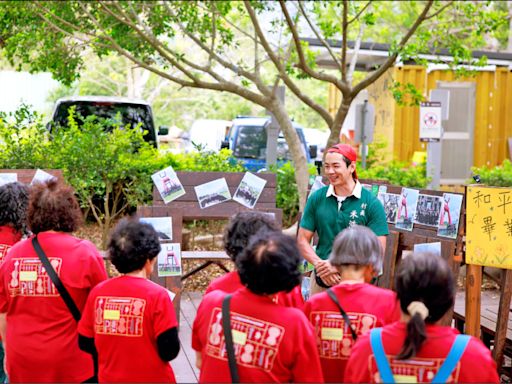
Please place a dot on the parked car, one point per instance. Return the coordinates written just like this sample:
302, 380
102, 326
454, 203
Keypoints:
247, 138
207, 134
130, 111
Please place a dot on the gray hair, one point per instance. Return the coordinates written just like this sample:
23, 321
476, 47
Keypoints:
356, 245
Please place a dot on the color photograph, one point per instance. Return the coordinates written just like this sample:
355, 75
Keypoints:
168, 184
407, 209
6, 178
450, 213
162, 225
169, 260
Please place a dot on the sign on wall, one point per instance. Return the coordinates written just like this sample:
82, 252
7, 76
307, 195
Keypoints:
489, 226
430, 121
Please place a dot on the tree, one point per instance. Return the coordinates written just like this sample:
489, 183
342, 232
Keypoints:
197, 44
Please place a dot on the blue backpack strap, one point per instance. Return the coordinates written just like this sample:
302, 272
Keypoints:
456, 352
380, 356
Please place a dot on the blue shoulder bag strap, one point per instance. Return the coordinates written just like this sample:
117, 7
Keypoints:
456, 352
380, 356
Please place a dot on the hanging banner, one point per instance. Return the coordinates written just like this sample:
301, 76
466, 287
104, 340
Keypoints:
430, 121
489, 226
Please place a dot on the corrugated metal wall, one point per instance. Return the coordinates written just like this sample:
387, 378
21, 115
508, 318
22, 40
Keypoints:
493, 115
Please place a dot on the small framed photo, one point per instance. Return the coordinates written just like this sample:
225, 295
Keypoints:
162, 225
41, 177
212, 193
249, 190
407, 209
428, 210
168, 184
169, 260
6, 178
390, 203
450, 214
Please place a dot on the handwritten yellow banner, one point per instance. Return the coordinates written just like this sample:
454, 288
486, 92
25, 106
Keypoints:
489, 226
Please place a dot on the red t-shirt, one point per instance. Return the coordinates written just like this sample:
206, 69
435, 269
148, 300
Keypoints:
125, 315
8, 237
475, 366
367, 307
230, 282
272, 343
42, 337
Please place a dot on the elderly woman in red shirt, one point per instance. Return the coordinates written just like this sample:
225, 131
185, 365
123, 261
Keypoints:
40, 332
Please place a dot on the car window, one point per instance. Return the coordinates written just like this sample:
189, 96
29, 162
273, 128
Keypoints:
251, 142
123, 113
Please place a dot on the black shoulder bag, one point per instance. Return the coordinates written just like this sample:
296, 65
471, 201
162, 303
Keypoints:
68, 300
343, 313
228, 337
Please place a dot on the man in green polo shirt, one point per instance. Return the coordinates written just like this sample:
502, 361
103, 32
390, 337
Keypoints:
333, 208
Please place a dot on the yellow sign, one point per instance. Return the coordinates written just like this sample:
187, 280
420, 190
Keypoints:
239, 337
111, 314
28, 275
335, 334
489, 226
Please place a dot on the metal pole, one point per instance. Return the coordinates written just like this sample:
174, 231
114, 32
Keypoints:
364, 111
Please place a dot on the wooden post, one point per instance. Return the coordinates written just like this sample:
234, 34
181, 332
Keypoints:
473, 299
389, 262
500, 337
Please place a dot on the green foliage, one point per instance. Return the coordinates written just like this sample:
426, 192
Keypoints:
287, 195
23, 139
397, 173
500, 176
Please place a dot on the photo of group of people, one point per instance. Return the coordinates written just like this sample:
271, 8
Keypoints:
211, 193
411, 207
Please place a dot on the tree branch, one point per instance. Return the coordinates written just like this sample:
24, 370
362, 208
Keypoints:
391, 59
344, 32
355, 53
359, 13
440, 10
282, 70
319, 36
302, 60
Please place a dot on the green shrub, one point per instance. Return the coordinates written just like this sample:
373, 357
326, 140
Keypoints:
396, 173
500, 176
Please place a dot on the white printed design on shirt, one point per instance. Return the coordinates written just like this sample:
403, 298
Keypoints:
29, 278
256, 342
3, 251
119, 316
334, 341
415, 370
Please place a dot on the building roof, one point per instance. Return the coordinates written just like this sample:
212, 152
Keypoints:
372, 55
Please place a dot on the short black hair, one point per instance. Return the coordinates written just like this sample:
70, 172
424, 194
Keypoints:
241, 227
131, 244
14, 205
270, 263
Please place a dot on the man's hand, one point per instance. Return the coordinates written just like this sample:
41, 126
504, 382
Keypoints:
327, 272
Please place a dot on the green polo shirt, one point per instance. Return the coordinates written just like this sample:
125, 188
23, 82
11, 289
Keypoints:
321, 215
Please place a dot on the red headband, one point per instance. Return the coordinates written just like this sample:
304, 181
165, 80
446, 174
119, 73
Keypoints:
347, 151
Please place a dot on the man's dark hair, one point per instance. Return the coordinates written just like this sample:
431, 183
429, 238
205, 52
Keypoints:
13, 206
131, 244
270, 263
241, 227
53, 207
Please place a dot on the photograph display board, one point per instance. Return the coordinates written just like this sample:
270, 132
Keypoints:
489, 226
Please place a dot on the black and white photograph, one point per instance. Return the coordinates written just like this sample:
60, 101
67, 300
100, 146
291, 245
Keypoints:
162, 225
428, 210
212, 193
249, 190
390, 202
6, 178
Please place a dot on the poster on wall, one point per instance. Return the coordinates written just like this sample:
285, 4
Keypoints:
249, 190
169, 260
168, 184
428, 210
212, 193
430, 121
449, 217
407, 209
489, 226
162, 226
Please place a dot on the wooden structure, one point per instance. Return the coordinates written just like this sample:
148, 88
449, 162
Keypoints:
186, 208
26, 175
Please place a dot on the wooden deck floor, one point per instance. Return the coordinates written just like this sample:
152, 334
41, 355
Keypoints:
184, 366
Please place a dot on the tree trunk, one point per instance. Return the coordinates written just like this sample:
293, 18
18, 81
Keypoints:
296, 150
334, 137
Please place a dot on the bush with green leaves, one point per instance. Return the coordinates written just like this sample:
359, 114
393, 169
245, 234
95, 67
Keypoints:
500, 176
